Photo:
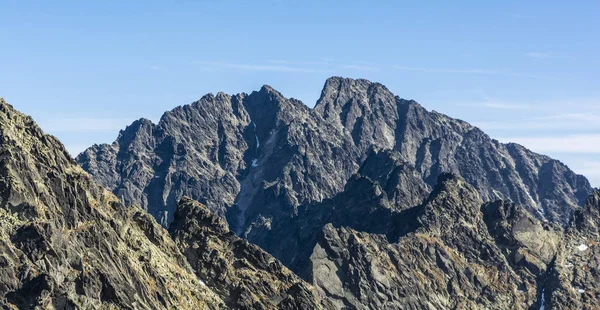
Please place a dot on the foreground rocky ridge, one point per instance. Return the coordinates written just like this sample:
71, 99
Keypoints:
67, 243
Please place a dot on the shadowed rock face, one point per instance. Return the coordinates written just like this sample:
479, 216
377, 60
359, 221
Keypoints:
67, 243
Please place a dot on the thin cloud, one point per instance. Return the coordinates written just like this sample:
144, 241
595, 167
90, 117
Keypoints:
299, 63
581, 143
255, 67
360, 68
589, 168
474, 71
564, 122
506, 106
57, 125
540, 55
579, 104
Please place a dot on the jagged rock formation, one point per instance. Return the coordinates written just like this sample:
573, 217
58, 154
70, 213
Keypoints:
448, 262
355, 198
257, 157
248, 277
68, 243
574, 282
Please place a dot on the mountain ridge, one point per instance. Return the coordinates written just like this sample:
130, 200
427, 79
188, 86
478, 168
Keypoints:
372, 118
388, 239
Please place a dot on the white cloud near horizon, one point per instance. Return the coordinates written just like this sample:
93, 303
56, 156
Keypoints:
590, 169
545, 55
254, 67
564, 122
473, 71
56, 125
360, 68
576, 143
279, 65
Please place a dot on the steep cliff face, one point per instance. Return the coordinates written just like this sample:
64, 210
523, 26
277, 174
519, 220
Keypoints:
248, 277
67, 243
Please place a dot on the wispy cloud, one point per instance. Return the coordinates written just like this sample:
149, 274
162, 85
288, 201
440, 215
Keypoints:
474, 71
260, 67
563, 122
280, 65
589, 105
360, 68
591, 169
299, 63
506, 106
581, 143
545, 55
58, 125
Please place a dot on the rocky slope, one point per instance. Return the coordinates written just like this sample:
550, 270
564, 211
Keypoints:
574, 282
67, 243
248, 277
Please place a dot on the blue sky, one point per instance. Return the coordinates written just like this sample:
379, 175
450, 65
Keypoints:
524, 71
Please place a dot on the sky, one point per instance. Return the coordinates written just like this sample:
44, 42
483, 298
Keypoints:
523, 71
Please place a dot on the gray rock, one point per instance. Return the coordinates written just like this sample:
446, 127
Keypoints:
244, 274
67, 243
355, 197
258, 157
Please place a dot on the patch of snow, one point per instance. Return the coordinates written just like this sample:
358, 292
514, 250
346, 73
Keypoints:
580, 291
157, 177
255, 162
497, 194
582, 247
255, 136
543, 301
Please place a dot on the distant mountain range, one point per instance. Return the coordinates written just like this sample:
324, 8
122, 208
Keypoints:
366, 201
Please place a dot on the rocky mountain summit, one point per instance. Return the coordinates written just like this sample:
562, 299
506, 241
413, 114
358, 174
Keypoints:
257, 157
68, 243
375, 201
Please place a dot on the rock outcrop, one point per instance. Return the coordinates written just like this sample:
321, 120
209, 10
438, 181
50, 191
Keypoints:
574, 281
243, 273
67, 243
